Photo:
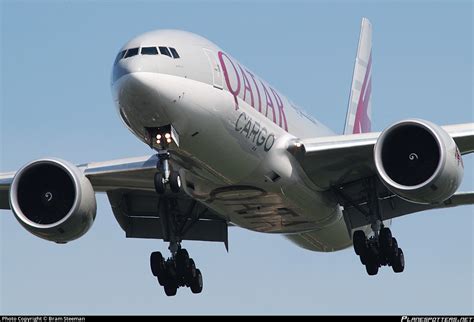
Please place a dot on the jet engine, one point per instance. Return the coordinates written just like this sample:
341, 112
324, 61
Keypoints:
53, 200
418, 161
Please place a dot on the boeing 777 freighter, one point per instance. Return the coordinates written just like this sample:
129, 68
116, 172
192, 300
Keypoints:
229, 149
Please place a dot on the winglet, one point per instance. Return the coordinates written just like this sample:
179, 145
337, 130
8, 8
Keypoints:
358, 118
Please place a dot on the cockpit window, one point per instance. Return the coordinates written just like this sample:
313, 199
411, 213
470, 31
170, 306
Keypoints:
131, 52
165, 51
174, 52
149, 51
119, 56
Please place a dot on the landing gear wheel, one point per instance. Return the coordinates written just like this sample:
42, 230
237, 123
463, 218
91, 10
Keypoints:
196, 283
371, 262
360, 242
157, 263
190, 272
385, 239
170, 287
159, 181
182, 258
371, 266
398, 264
392, 252
175, 182
363, 258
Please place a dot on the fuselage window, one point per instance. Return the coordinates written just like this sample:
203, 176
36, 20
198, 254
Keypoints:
131, 52
174, 52
165, 51
149, 51
119, 56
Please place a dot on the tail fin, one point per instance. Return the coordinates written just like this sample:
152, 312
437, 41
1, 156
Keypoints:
358, 118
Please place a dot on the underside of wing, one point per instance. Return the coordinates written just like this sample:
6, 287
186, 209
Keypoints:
337, 160
55, 200
356, 215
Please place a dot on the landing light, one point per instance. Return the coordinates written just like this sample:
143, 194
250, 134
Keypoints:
158, 141
167, 136
158, 136
168, 140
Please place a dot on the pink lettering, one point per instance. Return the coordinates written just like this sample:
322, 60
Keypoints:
281, 111
269, 102
258, 92
234, 92
247, 87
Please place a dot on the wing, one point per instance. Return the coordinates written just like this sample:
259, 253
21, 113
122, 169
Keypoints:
135, 204
393, 206
337, 160
344, 163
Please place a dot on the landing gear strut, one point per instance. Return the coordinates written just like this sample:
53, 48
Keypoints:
179, 270
380, 248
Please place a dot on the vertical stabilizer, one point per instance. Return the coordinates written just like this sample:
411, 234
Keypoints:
358, 118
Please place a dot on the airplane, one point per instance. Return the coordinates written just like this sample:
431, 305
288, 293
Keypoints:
231, 150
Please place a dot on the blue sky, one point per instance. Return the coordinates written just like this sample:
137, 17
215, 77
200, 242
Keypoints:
56, 60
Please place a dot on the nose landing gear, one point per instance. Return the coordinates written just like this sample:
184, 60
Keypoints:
160, 139
165, 176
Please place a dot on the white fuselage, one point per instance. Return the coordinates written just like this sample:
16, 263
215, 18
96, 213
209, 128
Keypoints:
234, 130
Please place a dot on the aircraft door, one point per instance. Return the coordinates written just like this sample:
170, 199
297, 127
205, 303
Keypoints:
215, 67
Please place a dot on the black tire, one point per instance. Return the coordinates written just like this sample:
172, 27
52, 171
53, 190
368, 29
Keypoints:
196, 284
159, 181
372, 267
182, 258
157, 263
190, 273
175, 182
385, 239
170, 288
363, 258
360, 242
398, 264
393, 252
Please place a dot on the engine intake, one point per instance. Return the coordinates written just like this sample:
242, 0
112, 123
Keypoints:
419, 161
53, 200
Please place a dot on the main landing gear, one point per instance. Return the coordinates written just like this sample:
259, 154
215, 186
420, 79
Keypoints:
177, 271
379, 250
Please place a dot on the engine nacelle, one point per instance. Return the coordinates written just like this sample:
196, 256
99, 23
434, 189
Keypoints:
53, 200
418, 161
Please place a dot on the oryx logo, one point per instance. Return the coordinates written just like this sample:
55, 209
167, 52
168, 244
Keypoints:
458, 157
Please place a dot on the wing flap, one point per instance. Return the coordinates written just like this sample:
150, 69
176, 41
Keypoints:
138, 214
